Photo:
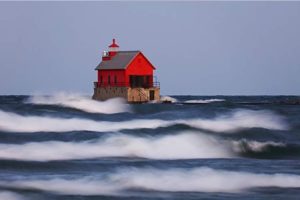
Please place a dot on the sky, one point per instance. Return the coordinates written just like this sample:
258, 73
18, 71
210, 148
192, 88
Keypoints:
198, 48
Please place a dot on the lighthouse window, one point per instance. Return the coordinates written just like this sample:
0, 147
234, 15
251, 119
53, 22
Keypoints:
115, 79
108, 80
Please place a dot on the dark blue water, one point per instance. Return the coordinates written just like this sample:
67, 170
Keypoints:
198, 147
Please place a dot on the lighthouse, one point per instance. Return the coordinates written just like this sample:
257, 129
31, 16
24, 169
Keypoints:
125, 74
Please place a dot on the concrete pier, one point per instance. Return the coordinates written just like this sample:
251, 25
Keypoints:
131, 95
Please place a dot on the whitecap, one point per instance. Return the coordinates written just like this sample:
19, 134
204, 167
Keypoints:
203, 101
232, 122
168, 99
245, 145
80, 102
177, 146
201, 179
240, 119
6, 195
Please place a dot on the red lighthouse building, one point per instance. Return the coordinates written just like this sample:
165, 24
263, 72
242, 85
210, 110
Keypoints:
125, 74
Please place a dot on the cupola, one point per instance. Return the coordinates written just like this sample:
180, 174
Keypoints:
113, 48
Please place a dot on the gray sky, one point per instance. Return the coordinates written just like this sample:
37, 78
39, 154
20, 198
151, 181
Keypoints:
199, 48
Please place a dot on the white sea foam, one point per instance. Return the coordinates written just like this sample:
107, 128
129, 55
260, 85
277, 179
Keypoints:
240, 119
19, 123
82, 186
204, 101
168, 99
187, 145
5, 195
201, 179
177, 146
83, 103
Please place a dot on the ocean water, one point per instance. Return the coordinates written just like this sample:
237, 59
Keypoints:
67, 146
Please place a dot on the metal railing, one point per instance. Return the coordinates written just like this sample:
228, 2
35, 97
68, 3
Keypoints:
126, 84
111, 84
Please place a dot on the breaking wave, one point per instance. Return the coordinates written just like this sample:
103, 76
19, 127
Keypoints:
5, 195
168, 99
265, 150
178, 146
19, 123
244, 145
83, 103
204, 101
201, 179
240, 119
188, 145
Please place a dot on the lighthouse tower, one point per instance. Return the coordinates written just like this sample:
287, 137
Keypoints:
125, 74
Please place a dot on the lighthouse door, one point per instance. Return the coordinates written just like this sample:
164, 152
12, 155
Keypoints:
151, 95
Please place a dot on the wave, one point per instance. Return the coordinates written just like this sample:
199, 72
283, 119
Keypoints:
202, 179
5, 195
237, 120
265, 150
244, 145
18, 123
168, 99
83, 103
187, 145
204, 101
240, 119
177, 146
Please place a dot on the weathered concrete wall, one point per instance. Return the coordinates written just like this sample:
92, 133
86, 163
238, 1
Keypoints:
132, 95
136, 95
104, 93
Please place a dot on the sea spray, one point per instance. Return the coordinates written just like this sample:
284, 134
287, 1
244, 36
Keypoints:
81, 102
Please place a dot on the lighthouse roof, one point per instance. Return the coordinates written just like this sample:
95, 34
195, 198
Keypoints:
114, 44
119, 61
